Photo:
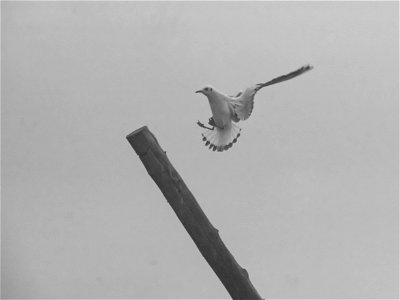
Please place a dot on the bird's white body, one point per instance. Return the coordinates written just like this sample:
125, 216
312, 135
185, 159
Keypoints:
220, 108
228, 110
225, 133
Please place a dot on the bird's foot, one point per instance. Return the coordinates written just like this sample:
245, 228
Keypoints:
204, 126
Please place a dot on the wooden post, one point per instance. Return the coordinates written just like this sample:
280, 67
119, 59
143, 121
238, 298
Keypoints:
205, 236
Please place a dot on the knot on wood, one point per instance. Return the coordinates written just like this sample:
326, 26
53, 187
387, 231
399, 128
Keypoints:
245, 273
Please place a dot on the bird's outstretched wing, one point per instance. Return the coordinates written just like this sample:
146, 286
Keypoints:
288, 76
243, 103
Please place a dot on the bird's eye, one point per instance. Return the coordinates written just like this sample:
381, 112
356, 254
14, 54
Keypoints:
210, 89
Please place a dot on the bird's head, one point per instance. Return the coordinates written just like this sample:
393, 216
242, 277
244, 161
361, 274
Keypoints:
208, 90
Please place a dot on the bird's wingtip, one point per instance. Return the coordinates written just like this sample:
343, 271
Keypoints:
308, 67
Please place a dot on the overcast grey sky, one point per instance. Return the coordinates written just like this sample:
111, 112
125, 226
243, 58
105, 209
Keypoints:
307, 200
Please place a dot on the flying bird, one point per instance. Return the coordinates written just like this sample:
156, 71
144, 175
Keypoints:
228, 110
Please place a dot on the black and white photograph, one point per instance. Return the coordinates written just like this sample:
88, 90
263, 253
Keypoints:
199, 150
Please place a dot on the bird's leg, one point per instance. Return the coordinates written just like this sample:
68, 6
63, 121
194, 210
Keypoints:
212, 123
203, 126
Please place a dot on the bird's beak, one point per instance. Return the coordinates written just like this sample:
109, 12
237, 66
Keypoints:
199, 91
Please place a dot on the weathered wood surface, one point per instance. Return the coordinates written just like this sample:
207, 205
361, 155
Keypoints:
205, 236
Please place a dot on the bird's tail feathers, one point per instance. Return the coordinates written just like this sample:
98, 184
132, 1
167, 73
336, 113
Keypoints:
221, 139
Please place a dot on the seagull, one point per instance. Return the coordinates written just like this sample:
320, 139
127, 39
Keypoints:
228, 110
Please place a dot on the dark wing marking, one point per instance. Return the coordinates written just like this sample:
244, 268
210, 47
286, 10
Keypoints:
288, 76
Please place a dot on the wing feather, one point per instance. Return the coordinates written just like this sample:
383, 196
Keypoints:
243, 103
